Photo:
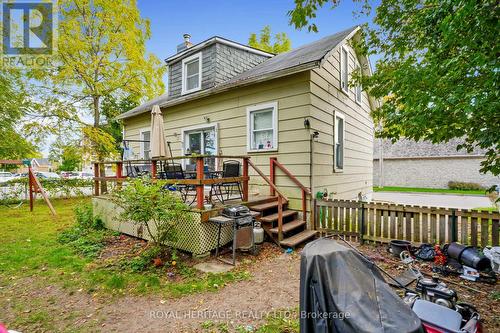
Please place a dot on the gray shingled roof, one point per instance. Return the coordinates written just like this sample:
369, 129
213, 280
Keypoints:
302, 58
306, 54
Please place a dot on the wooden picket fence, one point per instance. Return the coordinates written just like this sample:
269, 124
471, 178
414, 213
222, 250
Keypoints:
380, 222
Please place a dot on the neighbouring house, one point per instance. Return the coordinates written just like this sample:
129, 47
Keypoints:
231, 99
423, 164
38, 164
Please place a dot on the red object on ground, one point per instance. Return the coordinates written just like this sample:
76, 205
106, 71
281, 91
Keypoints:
439, 258
3, 329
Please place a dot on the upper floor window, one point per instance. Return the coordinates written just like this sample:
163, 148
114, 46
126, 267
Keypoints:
191, 73
262, 124
339, 137
344, 69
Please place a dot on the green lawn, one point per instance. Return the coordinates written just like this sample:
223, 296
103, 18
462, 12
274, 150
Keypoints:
30, 248
426, 190
31, 256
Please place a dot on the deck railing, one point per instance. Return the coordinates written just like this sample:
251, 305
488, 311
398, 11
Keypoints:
198, 182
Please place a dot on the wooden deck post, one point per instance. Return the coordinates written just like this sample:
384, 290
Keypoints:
96, 182
245, 180
119, 170
280, 218
153, 169
272, 174
200, 191
304, 205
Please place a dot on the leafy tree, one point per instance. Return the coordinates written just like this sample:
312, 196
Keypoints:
69, 156
112, 107
281, 41
438, 75
13, 104
101, 53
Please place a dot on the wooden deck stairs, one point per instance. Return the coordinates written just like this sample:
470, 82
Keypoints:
294, 228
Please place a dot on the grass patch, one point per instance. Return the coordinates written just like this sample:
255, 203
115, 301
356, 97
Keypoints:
41, 250
489, 209
285, 321
426, 190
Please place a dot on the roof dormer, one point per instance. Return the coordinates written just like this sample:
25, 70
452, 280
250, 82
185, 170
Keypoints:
209, 63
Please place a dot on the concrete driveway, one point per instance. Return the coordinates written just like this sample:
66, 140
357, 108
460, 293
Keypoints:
433, 199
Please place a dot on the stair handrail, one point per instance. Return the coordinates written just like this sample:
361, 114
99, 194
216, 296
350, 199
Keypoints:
281, 196
268, 181
305, 191
289, 174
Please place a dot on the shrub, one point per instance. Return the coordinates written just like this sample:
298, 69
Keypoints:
156, 210
464, 186
87, 236
85, 218
55, 187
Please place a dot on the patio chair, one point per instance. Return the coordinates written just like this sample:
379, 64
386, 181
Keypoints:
230, 169
174, 171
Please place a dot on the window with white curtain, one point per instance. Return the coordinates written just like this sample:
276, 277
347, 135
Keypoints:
191, 73
344, 69
262, 124
339, 138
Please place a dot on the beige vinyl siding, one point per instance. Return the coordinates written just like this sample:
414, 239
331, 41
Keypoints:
326, 99
311, 94
229, 111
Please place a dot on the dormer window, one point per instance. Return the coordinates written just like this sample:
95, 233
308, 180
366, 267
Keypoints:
191, 74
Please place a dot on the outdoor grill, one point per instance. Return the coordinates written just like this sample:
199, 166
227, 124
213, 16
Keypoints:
239, 217
239, 214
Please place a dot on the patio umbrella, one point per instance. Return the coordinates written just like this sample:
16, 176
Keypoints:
158, 143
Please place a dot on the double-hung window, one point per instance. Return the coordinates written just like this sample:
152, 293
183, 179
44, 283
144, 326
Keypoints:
339, 138
262, 124
191, 74
344, 69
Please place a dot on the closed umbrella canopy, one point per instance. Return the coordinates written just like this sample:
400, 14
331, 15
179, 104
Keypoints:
158, 143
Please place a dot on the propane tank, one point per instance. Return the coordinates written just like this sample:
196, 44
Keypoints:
258, 233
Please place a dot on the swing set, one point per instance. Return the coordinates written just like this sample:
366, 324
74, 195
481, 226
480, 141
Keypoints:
33, 183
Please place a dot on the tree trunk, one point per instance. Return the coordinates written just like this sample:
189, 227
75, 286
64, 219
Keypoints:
100, 158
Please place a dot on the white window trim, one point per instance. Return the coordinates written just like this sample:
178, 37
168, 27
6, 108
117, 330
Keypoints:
141, 144
261, 107
341, 116
344, 88
360, 88
184, 89
215, 126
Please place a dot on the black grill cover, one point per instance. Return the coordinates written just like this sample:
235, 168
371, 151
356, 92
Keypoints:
341, 291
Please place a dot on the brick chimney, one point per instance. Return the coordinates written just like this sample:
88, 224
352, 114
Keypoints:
186, 44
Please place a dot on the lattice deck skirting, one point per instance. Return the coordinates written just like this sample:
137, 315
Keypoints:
194, 236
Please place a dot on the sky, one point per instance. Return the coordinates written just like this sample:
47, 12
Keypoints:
235, 20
